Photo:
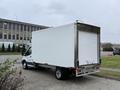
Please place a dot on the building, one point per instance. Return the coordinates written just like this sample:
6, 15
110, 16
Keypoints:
16, 31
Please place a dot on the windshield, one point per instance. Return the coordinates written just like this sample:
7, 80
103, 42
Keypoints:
28, 51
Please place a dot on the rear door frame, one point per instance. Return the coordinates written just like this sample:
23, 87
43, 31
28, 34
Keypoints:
88, 28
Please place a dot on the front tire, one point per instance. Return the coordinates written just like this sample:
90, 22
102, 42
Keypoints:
24, 65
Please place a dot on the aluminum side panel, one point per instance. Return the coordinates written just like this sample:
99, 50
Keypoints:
54, 46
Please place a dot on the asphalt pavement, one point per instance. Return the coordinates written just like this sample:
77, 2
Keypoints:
44, 79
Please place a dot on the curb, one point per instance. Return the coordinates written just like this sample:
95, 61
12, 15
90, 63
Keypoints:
107, 77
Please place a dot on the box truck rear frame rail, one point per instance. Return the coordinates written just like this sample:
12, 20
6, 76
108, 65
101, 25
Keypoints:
85, 50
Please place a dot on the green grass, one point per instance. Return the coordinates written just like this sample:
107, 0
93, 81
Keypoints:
111, 62
107, 73
10, 53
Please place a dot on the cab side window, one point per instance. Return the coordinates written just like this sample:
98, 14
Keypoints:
28, 52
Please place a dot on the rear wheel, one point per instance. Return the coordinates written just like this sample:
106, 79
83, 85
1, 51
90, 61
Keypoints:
59, 74
62, 73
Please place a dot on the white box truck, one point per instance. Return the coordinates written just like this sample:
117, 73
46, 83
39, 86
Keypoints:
71, 50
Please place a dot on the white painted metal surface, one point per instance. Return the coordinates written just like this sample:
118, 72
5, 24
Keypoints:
54, 46
87, 48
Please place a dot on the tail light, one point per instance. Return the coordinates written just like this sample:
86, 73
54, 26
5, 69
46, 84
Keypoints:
78, 69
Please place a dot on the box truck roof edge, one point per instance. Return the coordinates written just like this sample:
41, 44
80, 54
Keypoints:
75, 23
86, 28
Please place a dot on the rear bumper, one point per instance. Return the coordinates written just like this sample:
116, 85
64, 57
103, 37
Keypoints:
88, 69
78, 75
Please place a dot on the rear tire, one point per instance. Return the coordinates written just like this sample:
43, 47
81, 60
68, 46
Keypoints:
59, 73
24, 65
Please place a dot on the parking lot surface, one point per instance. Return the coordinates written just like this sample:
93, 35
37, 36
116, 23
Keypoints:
44, 79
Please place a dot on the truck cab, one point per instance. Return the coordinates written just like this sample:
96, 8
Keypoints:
27, 60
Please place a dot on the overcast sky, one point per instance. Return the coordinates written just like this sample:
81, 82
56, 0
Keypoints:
103, 13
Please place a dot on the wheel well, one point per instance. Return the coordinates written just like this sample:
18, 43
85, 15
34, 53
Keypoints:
23, 61
65, 70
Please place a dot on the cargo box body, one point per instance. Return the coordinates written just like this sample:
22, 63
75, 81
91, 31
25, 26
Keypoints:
71, 45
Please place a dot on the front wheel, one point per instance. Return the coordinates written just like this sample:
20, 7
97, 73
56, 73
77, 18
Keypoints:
24, 65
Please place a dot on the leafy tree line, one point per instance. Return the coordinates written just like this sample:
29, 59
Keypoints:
11, 48
107, 47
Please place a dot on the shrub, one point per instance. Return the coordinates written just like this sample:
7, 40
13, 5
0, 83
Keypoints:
107, 49
9, 48
23, 49
10, 78
18, 48
13, 48
3, 47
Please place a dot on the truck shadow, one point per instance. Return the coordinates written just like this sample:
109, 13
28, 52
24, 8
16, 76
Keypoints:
50, 74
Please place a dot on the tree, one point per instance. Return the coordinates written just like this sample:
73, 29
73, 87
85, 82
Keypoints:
18, 48
9, 48
107, 47
13, 48
23, 49
3, 47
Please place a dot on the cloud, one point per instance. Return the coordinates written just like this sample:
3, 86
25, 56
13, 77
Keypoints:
104, 13
57, 7
3, 12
